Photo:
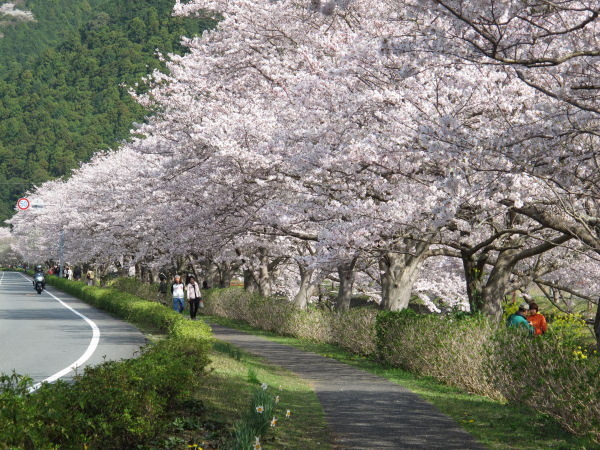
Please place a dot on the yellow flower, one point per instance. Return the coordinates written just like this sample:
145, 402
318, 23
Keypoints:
273, 421
471, 421
260, 409
288, 413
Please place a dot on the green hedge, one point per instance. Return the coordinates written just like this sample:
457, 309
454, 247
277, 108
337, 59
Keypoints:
549, 374
450, 349
352, 330
136, 310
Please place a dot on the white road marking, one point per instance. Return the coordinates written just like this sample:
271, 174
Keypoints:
88, 353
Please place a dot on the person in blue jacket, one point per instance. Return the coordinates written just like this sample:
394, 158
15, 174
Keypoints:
519, 319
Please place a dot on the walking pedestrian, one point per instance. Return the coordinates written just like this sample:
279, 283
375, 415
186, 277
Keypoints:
77, 273
177, 291
69, 273
194, 295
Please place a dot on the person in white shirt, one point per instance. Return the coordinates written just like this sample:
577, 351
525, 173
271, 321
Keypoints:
177, 290
193, 295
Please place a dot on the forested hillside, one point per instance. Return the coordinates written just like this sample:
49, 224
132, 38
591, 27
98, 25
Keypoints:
60, 107
53, 21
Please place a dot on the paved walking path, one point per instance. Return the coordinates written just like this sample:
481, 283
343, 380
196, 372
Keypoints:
362, 410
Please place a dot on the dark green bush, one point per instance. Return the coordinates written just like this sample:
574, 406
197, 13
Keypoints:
114, 405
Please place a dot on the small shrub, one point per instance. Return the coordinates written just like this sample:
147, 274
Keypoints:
570, 329
549, 376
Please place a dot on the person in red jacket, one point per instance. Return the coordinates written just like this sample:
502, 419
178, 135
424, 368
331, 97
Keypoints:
537, 320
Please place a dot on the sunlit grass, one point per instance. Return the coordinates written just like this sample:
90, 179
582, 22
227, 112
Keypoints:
228, 389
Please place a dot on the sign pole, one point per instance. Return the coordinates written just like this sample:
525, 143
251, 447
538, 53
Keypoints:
60, 273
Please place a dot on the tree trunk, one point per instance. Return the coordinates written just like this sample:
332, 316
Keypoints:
154, 277
399, 273
307, 289
265, 282
225, 275
124, 272
474, 279
181, 266
497, 285
99, 274
213, 277
250, 283
597, 325
346, 274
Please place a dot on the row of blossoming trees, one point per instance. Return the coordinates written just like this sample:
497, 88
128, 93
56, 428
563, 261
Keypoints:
443, 148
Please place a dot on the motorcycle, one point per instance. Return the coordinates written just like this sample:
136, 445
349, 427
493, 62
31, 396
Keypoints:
39, 282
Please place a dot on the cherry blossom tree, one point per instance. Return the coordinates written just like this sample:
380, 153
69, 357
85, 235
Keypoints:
303, 139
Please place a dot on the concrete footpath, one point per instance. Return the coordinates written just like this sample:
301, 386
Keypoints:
362, 410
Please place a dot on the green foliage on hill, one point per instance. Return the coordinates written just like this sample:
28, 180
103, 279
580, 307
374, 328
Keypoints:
59, 108
24, 41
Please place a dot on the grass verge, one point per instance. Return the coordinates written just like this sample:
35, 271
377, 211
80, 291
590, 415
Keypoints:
235, 375
497, 425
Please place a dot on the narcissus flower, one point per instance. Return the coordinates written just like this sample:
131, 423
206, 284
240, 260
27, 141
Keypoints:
288, 413
257, 444
277, 399
273, 421
264, 386
260, 409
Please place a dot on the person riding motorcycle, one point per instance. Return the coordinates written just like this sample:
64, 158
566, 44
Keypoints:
39, 271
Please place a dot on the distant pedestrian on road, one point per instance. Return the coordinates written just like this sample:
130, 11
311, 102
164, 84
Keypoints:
177, 290
538, 321
69, 273
518, 319
194, 295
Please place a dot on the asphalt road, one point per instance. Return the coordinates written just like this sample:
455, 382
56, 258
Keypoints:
48, 336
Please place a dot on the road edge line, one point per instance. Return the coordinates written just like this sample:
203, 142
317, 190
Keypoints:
83, 358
